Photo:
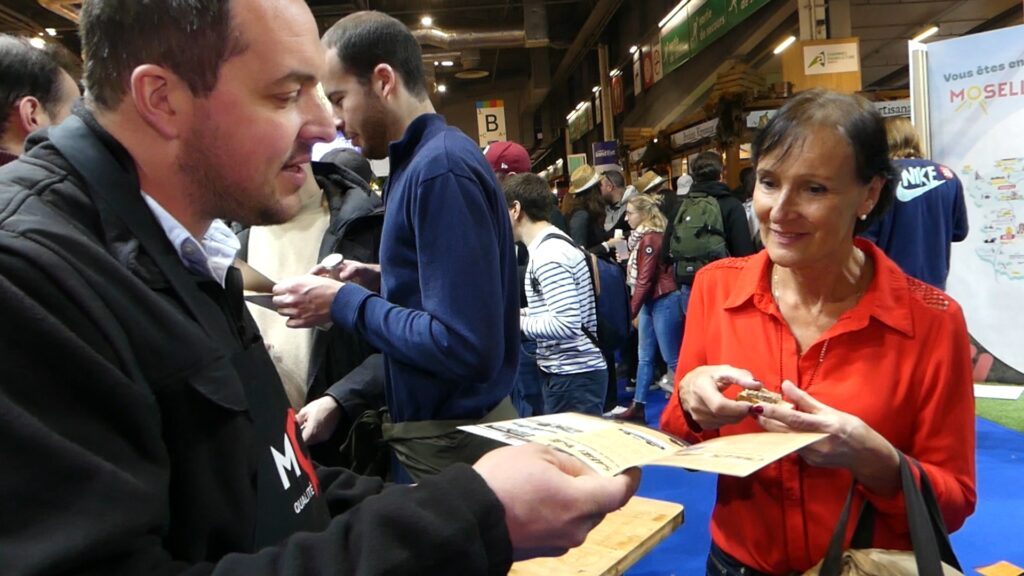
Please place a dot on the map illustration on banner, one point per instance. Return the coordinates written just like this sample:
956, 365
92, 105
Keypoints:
976, 118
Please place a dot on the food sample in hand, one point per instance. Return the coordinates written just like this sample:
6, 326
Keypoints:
762, 397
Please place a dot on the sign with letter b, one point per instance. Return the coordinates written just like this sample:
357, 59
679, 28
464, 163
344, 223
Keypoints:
490, 121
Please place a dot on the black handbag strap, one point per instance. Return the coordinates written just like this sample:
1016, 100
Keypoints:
928, 534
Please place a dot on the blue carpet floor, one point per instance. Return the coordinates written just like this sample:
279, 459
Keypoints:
995, 531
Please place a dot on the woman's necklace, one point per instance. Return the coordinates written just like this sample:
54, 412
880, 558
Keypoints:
824, 346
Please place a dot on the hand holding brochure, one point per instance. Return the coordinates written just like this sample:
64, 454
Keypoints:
609, 446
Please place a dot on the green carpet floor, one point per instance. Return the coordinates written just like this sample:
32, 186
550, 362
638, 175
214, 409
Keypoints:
1009, 413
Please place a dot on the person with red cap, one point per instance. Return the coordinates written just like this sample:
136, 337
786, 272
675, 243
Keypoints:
507, 158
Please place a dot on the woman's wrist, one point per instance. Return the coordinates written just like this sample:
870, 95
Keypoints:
877, 466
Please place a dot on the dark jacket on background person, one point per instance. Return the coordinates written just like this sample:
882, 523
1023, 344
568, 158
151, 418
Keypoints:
654, 278
354, 230
734, 219
149, 429
356, 224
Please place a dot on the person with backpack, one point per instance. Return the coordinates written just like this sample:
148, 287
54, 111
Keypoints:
656, 303
709, 224
562, 303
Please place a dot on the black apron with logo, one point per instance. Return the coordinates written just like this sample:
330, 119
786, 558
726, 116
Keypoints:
287, 491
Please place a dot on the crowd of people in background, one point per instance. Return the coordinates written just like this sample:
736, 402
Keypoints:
182, 428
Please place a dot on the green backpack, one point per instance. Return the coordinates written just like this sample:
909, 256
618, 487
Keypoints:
698, 236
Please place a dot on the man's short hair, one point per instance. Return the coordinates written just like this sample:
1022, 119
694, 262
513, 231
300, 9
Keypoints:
27, 71
533, 195
191, 38
616, 178
366, 39
707, 167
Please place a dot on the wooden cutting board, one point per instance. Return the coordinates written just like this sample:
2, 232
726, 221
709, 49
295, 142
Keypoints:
624, 537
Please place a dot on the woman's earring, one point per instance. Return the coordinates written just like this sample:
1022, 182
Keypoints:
863, 217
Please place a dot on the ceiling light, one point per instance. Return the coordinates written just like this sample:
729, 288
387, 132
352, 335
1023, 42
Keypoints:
930, 31
447, 63
38, 43
655, 140
436, 63
595, 89
442, 88
784, 44
632, 49
51, 31
427, 21
663, 21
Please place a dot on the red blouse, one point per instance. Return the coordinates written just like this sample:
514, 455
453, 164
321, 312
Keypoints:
899, 360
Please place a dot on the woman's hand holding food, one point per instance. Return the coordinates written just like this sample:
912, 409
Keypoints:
851, 443
700, 394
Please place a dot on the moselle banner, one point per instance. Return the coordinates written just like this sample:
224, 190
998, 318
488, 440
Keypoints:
976, 119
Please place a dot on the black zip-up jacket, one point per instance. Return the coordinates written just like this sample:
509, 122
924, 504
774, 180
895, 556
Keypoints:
143, 429
356, 221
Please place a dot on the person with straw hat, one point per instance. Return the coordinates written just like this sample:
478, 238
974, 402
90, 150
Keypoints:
583, 208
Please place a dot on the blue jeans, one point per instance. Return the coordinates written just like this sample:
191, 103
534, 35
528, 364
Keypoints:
583, 392
527, 396
660, 328
684, 293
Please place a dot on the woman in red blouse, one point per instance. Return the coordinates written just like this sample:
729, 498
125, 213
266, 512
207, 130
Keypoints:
874, 358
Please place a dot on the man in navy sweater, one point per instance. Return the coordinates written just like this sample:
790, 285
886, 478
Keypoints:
443, 304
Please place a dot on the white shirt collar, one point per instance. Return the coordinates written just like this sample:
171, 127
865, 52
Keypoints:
210, 257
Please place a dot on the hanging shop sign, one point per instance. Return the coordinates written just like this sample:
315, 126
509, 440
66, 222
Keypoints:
637, 74
490, 121
648, 66
656, 60
581, 122
618, 95
831, 58
893, 107
698, 24
694, 133
606, 155
675, 42
738, 10
708, 22
575, 161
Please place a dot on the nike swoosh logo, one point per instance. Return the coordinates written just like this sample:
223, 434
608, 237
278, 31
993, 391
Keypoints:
905, 195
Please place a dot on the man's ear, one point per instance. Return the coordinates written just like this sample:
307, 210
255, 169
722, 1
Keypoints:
384, 81
31, 115
162, 99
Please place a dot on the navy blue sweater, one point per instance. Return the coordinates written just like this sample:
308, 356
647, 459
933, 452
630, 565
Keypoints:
447, 318
928, 214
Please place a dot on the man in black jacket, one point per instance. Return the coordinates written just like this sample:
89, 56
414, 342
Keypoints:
144, 429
